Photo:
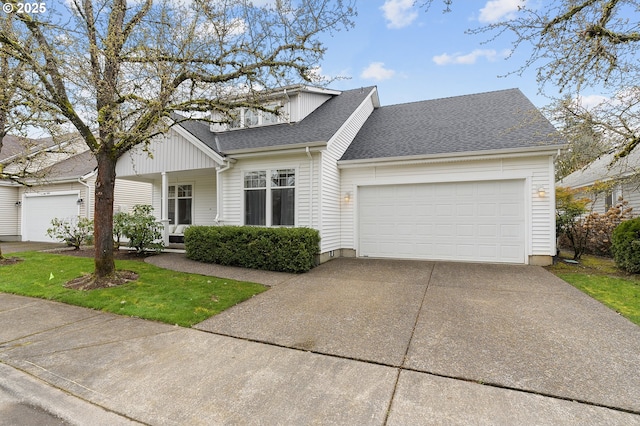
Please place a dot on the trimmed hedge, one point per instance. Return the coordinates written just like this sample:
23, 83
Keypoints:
625, 245
272, 249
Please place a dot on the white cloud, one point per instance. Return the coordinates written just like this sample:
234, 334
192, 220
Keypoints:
377, 71
399, 13
590, 101
470, 58
497, 10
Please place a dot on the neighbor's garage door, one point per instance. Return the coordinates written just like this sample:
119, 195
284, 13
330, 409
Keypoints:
39, 210
466, 221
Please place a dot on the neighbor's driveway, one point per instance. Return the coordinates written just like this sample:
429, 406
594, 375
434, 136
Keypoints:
516, 327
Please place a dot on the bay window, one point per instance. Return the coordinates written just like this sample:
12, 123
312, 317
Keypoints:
270, 201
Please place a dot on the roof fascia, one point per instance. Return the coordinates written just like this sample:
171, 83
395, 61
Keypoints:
451, 157
196, 142
371, 97
280, 149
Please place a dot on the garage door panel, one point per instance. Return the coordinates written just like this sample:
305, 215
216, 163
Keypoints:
38, 211
473, 221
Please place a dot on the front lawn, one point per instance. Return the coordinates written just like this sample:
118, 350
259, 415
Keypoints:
600, 279
158, 294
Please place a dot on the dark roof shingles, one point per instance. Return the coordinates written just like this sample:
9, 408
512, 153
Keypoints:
319, 126
498, 120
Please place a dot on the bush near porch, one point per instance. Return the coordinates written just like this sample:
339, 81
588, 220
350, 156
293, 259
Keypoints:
272, 249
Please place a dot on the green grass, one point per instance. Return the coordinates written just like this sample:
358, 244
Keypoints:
159, 294
599, 278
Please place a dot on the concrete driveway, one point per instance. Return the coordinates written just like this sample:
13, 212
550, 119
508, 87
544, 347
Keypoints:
353, 342
505, 326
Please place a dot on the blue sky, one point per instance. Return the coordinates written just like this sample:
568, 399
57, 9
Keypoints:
413, 55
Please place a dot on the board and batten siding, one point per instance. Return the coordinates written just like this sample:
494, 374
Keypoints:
331, 197
171, 152
307, 186
537, 171
204, 195
9, 212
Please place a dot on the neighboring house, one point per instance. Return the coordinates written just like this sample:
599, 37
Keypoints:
622, 177
468, 178
61, 186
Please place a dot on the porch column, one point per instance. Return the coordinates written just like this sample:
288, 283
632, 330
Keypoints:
165, 209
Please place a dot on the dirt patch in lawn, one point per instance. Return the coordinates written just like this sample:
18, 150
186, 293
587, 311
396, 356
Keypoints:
10, 261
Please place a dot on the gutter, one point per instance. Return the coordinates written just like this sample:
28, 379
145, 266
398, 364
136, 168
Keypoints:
449, 157
254, 152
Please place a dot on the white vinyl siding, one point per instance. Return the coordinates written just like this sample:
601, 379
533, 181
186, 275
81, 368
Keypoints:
534, 170
9, 212
204, 194
331, 196
305, 205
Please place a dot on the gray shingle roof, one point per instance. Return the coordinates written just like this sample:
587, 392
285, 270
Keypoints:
319, 126
500, 120
603, 169
72, 167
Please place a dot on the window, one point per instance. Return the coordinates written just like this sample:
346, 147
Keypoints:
247, 117
180, 204
277, 192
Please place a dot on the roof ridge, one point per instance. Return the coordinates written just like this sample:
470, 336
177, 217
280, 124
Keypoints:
452, 97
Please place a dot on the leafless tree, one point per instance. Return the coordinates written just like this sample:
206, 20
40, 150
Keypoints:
578, 45
115, 69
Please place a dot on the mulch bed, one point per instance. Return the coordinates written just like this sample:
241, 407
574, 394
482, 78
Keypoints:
10, 261
89, 282
117, 254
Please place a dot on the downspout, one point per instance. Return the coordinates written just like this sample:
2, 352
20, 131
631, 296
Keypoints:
308, 151
87, 198
219, 197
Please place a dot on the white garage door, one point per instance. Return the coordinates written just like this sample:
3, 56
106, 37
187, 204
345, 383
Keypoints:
38, 211
464, 221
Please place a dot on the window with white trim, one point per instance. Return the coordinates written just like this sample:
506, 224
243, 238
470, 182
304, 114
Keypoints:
180, 204
270, 201
249, 117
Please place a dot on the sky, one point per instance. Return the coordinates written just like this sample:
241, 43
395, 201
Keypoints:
411, 54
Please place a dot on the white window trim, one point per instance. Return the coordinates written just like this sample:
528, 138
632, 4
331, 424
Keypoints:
260, 115
268, 207
175, 200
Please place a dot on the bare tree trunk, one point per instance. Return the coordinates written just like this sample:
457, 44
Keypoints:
103, 215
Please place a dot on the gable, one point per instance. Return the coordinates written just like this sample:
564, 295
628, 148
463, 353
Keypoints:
168, 153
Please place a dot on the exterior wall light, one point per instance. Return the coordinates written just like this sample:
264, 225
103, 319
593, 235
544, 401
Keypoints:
347, 197
541, 192
80, 201
18, 203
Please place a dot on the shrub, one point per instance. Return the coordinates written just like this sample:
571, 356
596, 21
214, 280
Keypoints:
592, 234
142, 229
74, 231
120, 220
626, 245
568, 212
273, 249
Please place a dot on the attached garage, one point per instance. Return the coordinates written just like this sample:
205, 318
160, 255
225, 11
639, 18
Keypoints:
480, 221
39, 209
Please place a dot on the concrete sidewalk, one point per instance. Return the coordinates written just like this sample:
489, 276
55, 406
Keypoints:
352, 342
